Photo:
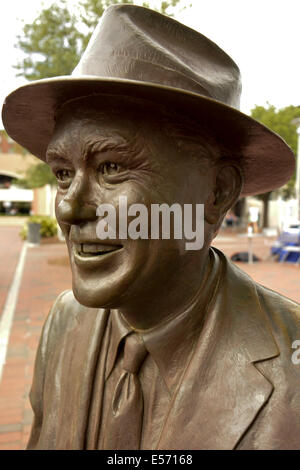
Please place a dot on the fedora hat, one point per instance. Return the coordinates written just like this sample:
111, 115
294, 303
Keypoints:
139, 53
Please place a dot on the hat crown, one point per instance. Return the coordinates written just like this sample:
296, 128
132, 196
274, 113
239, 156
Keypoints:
135, 43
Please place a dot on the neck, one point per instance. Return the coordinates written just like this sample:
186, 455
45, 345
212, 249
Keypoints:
171, 298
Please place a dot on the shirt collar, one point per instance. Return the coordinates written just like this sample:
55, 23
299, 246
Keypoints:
165, 342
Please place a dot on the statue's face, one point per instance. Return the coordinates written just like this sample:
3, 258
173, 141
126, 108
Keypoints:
96, 160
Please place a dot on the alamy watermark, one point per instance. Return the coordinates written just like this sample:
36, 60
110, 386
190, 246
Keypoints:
188, 222
296, 355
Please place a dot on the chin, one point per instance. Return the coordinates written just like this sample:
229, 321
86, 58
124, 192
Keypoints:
92, 299
103, 291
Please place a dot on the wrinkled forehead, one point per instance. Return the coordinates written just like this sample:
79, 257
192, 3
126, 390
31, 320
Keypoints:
106, 107
119, 122
101, 114
126, 118
129, 120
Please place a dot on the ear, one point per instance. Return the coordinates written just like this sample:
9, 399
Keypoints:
228, 186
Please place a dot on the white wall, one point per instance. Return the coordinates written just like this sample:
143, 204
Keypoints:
282, 213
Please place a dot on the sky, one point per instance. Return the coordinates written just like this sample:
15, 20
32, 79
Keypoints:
261, 36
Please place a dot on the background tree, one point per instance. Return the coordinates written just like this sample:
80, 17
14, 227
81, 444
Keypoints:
279, 120
37, 176
55, 41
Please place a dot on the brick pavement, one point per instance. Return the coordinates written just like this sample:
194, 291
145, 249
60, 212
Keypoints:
46, 274
10, 253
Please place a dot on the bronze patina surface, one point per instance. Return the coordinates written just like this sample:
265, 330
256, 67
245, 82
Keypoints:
204, 353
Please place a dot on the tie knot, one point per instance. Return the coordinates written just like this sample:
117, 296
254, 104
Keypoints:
134, 353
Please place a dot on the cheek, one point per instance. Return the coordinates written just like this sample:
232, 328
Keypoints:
129, 193
64, 227
58, 199
201, 184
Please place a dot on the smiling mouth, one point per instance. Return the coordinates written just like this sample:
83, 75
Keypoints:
94, 250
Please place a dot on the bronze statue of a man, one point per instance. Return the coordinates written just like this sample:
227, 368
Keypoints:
158, 346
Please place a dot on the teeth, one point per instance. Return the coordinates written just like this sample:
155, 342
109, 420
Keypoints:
94, 249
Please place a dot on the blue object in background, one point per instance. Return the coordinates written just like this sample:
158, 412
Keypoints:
290, 237
292, 256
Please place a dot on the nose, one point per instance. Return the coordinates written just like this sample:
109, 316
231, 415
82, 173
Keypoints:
77, 206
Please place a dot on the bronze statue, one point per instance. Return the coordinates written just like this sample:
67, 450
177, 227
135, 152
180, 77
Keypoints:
158, 346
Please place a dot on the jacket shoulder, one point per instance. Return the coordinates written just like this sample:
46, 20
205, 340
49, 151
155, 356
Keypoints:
66, 315
65, 312
282, 312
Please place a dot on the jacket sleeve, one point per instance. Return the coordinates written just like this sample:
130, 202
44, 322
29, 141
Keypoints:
37, 388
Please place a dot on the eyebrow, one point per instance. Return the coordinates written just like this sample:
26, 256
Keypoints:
128, 149
106, 144
55, 152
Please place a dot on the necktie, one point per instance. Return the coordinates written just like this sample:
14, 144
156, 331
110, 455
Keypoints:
124, 422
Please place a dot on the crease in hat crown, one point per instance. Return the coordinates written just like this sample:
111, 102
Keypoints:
139, 53
153, 50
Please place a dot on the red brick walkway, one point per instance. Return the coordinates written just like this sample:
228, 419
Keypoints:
46, 274
10, 247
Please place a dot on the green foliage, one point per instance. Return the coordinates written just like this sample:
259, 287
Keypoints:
51, 43
36, 177
55, 41
48, 226
279, 121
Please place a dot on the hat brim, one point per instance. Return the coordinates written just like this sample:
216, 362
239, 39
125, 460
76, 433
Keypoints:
268, 162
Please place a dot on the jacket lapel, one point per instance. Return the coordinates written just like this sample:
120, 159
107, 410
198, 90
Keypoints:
80, 359
222, 391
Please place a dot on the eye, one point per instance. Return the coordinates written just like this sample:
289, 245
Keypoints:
64, 176
111, 169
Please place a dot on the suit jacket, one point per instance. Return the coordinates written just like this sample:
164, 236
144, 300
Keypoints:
241, 389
